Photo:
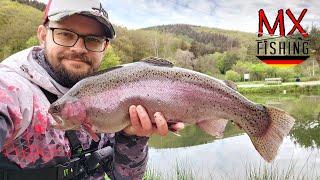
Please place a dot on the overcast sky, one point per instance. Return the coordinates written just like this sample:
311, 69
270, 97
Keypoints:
224, 14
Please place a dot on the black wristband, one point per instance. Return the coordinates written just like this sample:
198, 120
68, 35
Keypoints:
125, 138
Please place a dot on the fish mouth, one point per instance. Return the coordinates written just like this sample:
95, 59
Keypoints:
64, 124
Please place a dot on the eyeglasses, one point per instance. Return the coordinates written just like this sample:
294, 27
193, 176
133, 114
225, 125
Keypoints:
69, 38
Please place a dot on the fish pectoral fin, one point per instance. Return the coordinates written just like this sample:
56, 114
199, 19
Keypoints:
213, 127
88, 129
87, 126
268, 143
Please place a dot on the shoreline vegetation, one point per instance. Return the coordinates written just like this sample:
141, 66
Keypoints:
293, 88
224, 54
294, 169
260, 171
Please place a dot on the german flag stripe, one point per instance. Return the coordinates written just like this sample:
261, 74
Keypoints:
271, 61
282, 65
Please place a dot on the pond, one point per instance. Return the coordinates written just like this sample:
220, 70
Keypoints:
196, 155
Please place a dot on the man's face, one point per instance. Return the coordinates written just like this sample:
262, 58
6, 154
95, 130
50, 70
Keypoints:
71, 64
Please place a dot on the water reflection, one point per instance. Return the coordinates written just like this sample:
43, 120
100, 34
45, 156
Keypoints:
232, 158
304, 108
190, 136
233, 153
306, 131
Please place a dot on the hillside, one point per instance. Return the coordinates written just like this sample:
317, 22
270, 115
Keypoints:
211, 39
130, 45
217, 52
18, 23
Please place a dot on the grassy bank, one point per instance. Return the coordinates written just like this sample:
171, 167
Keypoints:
263, 171
276, 89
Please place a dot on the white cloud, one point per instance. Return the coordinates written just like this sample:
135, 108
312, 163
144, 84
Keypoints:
231, 14
244, 15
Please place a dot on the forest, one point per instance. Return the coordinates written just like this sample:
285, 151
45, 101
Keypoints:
221, 53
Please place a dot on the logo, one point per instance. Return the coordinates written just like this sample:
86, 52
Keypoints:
284, 49
100, 11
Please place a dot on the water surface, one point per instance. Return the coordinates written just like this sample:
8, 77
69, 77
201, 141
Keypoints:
234, 157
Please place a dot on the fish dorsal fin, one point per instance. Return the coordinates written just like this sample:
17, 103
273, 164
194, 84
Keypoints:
105, 70
231, 84
158, 61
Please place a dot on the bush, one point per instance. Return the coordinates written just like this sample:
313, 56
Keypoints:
32, 41
233, 76
285, 73
110, 59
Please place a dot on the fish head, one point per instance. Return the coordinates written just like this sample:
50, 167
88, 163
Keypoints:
68, 114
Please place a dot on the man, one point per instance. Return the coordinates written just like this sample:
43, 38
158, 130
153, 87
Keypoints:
73, 41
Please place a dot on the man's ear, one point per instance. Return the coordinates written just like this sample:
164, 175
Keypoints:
105, 50
42, 34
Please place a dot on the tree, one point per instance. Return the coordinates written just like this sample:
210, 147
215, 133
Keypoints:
32, 41
111, 59
258, 71
285, 73
226, 60
233, 76
183, 45
207, 64
18, 23
122, 45
315, 42
184, 59
251, 53
36, 4
241, 67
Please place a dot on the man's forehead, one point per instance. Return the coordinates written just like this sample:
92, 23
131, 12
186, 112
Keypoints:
79, 23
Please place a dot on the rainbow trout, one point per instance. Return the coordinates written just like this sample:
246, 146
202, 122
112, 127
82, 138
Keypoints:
100, 103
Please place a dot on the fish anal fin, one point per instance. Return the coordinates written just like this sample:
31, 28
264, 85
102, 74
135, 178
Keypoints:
268, 143
236, 124
214, 127
158, 61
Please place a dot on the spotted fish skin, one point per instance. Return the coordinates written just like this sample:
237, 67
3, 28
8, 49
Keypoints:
181, 95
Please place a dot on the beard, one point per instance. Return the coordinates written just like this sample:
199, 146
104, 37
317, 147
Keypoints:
64, 76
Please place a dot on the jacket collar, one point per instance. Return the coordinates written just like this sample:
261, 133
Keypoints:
24, 64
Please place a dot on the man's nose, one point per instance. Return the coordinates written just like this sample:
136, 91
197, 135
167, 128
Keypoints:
79, 47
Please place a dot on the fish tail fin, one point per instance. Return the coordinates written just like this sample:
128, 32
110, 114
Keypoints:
268, 143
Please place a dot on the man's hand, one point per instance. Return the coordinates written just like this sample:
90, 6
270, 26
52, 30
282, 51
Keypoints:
141, 124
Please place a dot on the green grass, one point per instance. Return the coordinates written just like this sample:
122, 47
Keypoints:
181, 173
262, 171
280, 88
250, 82
265, 173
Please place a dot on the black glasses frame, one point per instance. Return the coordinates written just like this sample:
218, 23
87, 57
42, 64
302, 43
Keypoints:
84, 37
